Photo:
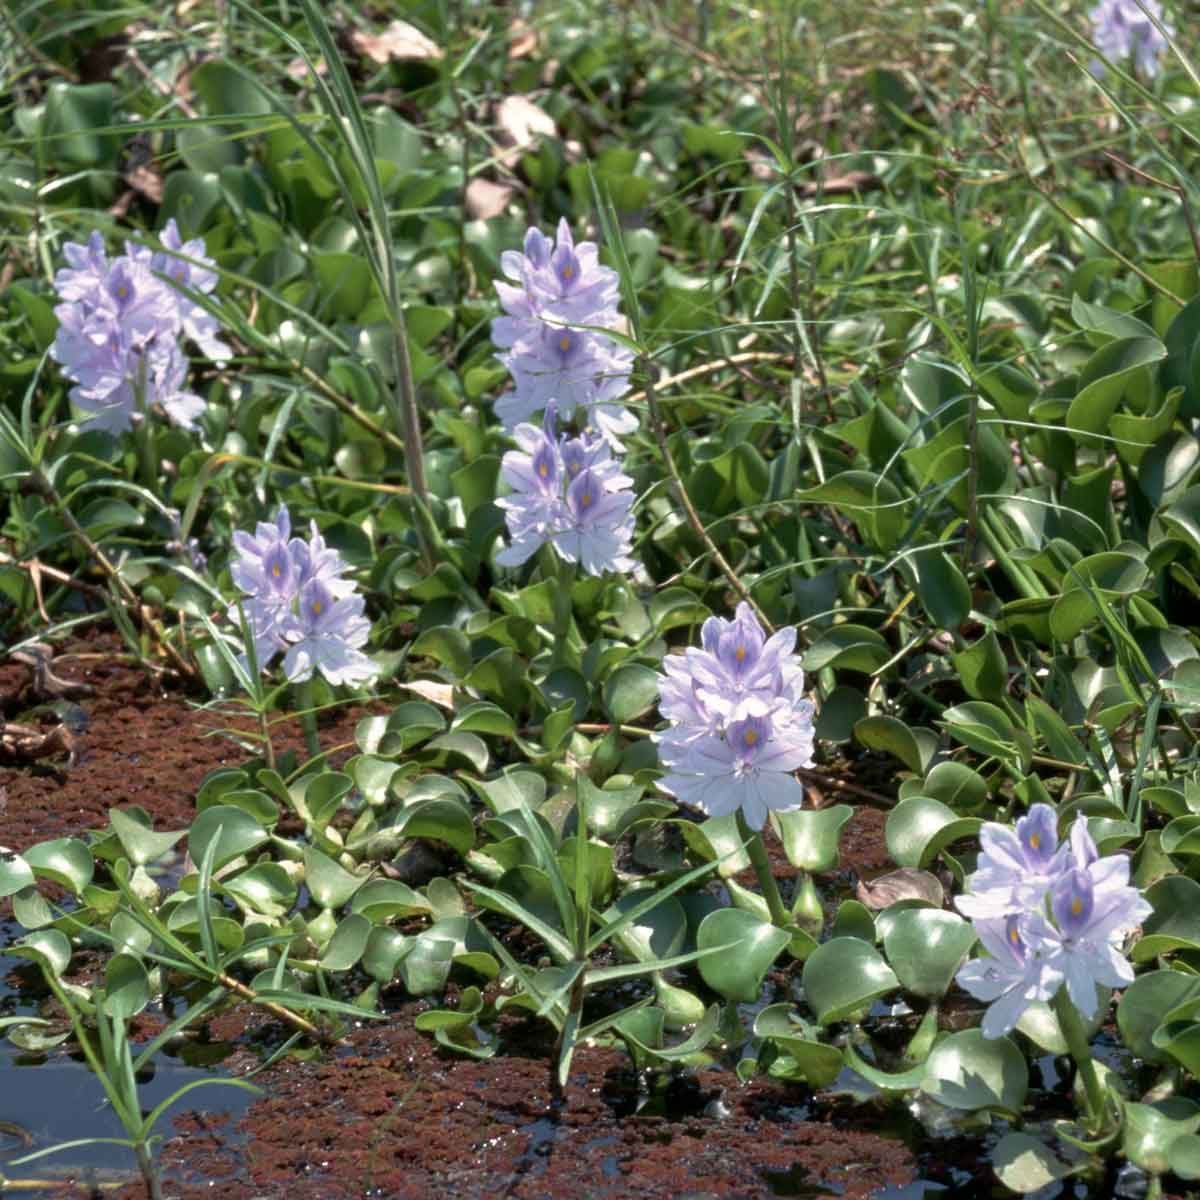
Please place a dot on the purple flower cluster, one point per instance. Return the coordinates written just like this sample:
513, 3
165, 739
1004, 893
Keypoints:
740, 725
298, 603
558, 299
569, 492
120, 325
1121, 28
1047, 913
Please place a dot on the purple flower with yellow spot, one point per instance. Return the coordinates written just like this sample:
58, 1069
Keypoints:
298, 604
326, 637
1015, 974
1015, 868
748, 767
570, 494
120, 327
1065, 912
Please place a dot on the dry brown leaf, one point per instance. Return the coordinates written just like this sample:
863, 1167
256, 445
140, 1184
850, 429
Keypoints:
523, 40
399, 42
523, 122
148, 181
441, 694
486, 199
908, 883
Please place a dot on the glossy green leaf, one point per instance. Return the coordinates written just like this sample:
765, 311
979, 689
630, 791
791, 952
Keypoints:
966, 1070
237, 832
925, 947
328, 882
1149, 1130
15, 874
738, 974
843, 976
138, 839
810, 836
911, 744
67, 861
919, 828
1024, 1164
348, 943
126, 986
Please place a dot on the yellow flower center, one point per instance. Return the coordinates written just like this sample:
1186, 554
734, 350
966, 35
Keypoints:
1014, 936
543, 470
1076, 907
122, 291
585, 499
750, 737
564, 343
568, 271
740, 653
277, 570
317, 608
1035, 840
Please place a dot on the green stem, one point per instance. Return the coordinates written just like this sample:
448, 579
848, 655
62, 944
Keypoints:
1071, 1024
305, 702
149, 1171
561, 575
757, 850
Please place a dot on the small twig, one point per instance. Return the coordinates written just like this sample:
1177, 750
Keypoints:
277, 1010
140, 611
660, 436
840, 785
710, 368
1177, 188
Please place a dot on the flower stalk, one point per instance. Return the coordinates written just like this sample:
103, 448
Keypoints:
756, 850
1075, 1035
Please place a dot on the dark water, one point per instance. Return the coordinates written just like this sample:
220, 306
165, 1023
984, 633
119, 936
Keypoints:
52, 1097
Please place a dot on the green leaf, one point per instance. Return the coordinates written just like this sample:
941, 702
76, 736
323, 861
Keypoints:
50, 944
1104, 380
913, 745
872, 502
329, 883
925, 948
1175, 922
982, 668
968, 1071
348, 943
942, 588
629, 691
126, 987
237, 831
138, 839
851, 647
843, 976
1149, 1130
1024, 1164
738, 974
919, 828
810, 836
1146, 1002
67, 861
15, 874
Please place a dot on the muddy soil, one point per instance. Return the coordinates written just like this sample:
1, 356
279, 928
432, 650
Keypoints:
388, 1113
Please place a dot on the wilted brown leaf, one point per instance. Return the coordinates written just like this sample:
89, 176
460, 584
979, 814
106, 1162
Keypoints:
907, 883
523, 40
146, 180
486, 199
522, 122
399, 42
441, 694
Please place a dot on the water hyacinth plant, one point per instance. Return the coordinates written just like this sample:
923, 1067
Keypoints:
838, 725
121, 326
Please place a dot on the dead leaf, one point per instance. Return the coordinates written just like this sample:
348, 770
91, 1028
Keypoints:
523, 40
46, 685
399, 42
147, 181
436, 693
486, 199
523, 122
907, 883
25, 743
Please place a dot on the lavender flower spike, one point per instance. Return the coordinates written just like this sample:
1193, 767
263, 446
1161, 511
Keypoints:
1123, 28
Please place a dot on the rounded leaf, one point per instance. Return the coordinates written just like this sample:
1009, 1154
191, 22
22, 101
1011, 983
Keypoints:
810, 836
65, 860
126, 987
968, 1071
1023, 1164
1149, 1131
925, 947
329, 883
844, 976
737, 973
629, 691
236, 831
15, 874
